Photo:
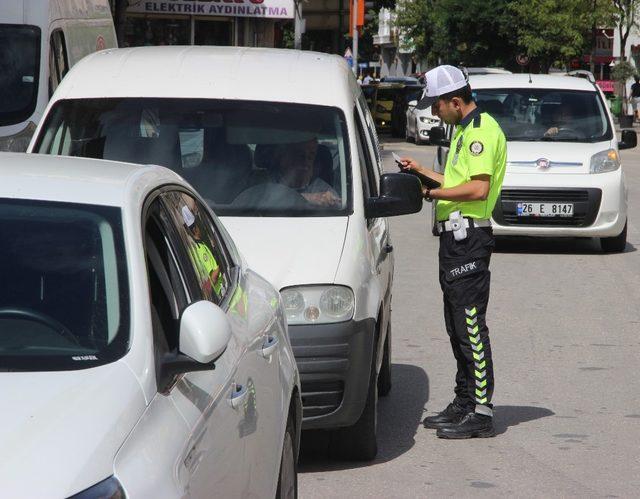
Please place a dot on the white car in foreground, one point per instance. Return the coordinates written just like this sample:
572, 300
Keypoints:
419, 123
140, 357
564, 176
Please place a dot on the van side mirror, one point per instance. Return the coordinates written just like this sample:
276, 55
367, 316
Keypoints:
400, 194
629, 139
205, 332
437, 136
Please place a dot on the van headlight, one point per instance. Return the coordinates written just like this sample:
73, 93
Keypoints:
318, 304
605, 161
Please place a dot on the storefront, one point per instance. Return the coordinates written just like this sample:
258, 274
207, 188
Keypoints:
207, 22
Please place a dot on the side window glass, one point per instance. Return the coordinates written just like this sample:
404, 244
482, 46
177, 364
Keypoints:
371, 129
367, 162
204, 249
58, 62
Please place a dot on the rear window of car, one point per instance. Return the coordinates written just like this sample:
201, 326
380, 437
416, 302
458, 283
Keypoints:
245, 158
64, 301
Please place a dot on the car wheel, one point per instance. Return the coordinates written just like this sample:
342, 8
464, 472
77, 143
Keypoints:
615, 244
384, 377
288, 477
359, 442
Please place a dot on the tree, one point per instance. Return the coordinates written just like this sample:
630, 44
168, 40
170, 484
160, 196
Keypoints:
555, 31
626, 18
415, 22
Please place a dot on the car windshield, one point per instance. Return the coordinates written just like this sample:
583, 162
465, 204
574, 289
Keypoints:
20, 62
63, 293
547, 114
245, 158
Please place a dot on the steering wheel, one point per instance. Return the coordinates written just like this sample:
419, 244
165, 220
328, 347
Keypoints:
568, 131
42, 318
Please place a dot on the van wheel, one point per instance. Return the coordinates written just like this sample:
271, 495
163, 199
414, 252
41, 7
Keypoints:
288, 477
384, 378
615, 244
358, 442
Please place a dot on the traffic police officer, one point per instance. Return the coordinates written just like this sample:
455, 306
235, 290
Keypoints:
469, 189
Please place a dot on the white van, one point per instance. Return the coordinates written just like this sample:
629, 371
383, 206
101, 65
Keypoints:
564, 176
39, 41
282, 146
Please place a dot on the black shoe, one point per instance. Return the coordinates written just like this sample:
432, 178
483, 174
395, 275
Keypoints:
452, 415
472, 425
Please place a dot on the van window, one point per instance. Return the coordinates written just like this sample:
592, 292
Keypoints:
20, 62
547, 114
58, 60
245, 158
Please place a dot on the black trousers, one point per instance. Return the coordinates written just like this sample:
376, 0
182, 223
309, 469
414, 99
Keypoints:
465, 281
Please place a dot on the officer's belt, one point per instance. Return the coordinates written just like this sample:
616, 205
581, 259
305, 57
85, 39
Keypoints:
469, 222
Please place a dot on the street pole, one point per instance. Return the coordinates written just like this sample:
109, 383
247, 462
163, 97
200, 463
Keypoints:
297, 23
354, 49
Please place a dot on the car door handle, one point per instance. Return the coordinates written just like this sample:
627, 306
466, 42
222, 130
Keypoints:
238, 395
269, 346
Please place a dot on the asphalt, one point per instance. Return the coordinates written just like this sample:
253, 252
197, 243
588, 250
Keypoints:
565, 332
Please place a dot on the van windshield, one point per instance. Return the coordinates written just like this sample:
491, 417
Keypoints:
245, 158
547, 114
64, 297
20, 63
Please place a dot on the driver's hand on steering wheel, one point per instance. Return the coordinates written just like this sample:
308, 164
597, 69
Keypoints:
552, 131
326, 198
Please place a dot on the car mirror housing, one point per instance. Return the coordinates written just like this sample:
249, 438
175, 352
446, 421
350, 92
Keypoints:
437, 136
400, 194
629, 139
205, 332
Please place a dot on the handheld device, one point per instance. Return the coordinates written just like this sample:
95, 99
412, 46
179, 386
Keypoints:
426, 181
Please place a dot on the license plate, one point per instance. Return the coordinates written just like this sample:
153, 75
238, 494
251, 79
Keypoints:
545, 209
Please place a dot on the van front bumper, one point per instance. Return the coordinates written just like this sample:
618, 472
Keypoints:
600, 204
334, 361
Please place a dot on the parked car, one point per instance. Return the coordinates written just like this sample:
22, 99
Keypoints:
39, 41
564, 176
418, 123
402, 98
141, 356
407, 80
385, 98
295, 174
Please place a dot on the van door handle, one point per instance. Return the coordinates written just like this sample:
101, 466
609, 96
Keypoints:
269, 346
238, 395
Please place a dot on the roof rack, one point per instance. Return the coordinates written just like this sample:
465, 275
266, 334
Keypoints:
583, 73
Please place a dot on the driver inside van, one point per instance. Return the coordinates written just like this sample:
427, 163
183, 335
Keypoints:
561, 119
295, 168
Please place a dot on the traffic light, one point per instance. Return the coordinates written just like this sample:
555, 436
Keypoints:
362, 8
369, 13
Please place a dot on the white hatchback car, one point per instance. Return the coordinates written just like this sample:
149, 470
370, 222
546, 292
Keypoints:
564, 176
291, 164
140, 355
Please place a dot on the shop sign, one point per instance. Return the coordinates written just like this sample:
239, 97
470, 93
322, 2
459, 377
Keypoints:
606, 85
280, 9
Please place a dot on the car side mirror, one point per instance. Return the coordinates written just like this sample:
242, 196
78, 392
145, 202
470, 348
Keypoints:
629, 139
412, 103
437, 136
400, 194
205, 332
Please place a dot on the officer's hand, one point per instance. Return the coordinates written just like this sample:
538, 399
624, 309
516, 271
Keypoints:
409, 164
